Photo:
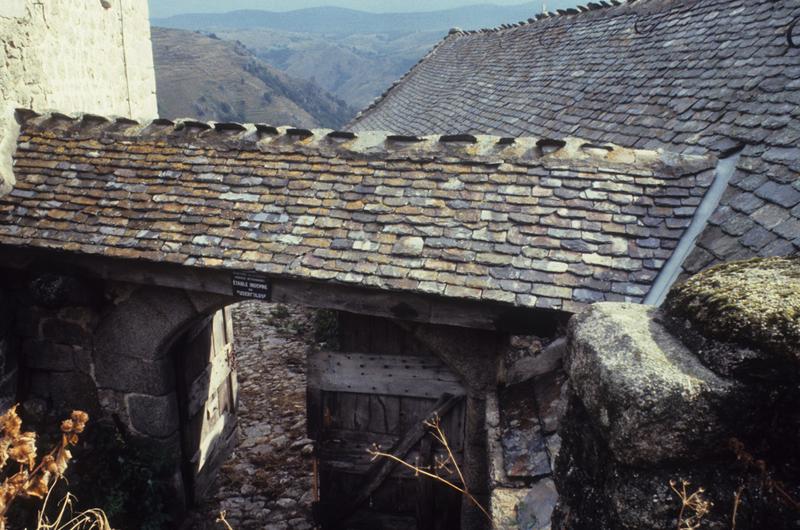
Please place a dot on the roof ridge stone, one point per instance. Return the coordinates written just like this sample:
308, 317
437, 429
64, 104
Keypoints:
577, 10
469, 147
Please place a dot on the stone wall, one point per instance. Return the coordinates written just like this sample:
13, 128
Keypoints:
73, 56
78, 56
116, 350
699, 399
522, 423
9, 132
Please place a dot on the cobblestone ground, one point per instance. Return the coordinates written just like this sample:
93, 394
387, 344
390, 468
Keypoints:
266, 484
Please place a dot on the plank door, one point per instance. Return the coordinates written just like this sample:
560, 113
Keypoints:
358, 400
207, 400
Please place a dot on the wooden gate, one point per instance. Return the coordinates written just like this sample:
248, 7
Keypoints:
207, 400
359, 400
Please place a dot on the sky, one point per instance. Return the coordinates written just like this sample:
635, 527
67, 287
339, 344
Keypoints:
164, 8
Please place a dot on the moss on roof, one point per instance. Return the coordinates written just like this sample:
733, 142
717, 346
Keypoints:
754, 302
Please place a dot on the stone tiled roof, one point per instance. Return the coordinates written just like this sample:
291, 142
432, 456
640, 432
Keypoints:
531, 223
692, 75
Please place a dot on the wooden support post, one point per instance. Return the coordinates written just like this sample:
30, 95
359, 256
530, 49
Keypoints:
426, 504
476, 465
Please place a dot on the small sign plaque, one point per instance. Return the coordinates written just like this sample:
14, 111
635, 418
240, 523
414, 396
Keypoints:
249, 285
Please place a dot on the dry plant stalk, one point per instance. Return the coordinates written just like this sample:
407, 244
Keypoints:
87, 520
441, 464
693, 506
29, 479
221, 519
737, 500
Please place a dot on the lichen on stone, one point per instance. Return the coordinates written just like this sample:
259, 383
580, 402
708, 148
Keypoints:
754, 302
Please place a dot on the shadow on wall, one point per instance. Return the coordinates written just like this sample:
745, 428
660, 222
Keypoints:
150, 365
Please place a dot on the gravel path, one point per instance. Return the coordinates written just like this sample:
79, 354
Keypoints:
266, 484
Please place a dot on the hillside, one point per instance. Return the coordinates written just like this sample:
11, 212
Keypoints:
354, 55
211, 79
355, 68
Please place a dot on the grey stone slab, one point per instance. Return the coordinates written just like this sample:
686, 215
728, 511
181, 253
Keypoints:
782, 194
522, 439
155, 416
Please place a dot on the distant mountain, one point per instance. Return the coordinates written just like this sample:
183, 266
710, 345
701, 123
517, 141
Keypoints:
354, 55
337, 20
165, 8
211, 79
356, 68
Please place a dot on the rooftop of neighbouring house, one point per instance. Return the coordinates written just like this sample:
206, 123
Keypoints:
530, 222
694, 76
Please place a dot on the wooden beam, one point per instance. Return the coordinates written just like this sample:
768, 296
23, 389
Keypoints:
395, 375
354, 299
382, 468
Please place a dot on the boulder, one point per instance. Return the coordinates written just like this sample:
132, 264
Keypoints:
754, 304
703, 392
597, 492
649, 397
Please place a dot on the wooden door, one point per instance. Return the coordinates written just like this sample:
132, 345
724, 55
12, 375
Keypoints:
207, 399
359, 400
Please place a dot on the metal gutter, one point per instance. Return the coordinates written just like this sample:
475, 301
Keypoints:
672, 268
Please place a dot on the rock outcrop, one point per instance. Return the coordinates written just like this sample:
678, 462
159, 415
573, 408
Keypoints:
705, 390
751, 306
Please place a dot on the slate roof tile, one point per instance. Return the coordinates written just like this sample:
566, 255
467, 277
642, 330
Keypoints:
485, 225
691, 76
